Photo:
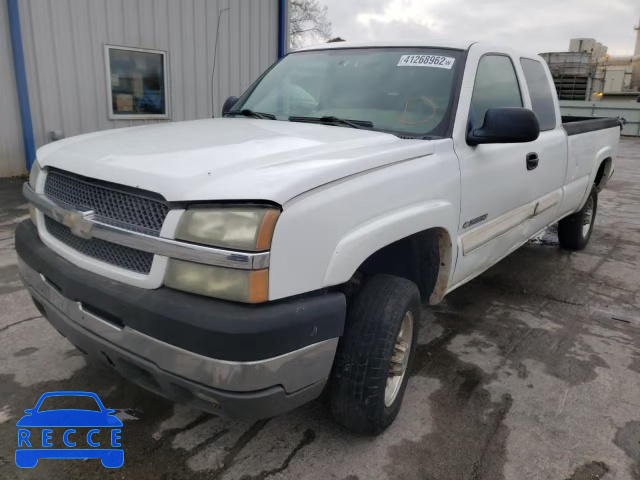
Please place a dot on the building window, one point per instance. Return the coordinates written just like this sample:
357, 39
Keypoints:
136, 83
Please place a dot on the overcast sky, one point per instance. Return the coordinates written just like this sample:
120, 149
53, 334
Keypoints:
535, 25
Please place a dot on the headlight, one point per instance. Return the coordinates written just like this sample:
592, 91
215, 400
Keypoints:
241, 228
247, 286
247, 228
33, 175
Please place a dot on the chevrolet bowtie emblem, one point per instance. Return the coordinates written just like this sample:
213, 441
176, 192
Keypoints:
76, 221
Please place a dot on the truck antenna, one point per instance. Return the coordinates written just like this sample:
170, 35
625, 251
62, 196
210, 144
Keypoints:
215, 54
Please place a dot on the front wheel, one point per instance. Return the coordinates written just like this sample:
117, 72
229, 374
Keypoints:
575, 230
374, 355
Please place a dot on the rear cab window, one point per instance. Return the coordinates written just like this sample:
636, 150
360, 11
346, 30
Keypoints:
540, 93
496, 86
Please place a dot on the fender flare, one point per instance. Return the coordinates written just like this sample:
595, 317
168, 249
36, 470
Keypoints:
359, 244
603, 154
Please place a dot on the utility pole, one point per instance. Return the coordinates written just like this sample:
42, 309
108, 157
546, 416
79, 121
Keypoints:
637, 49
635, 68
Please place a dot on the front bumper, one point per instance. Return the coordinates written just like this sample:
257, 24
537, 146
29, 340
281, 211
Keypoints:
249, 388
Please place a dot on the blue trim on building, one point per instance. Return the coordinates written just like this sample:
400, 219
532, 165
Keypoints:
21, 82
282, 28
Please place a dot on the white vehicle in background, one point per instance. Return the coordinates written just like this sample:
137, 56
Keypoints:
244, 265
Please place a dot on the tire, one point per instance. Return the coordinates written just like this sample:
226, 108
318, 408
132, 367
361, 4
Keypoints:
358, 395
575, 230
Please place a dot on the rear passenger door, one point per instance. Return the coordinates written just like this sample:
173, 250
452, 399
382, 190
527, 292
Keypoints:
496, 201
546, 180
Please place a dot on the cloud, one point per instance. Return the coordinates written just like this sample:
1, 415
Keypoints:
533, 25
405, 12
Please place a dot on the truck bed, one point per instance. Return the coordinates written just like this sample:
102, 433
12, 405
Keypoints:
576, 125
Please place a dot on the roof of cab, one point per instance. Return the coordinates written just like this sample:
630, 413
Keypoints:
410, 42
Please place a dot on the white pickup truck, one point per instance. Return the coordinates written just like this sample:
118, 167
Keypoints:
246, 264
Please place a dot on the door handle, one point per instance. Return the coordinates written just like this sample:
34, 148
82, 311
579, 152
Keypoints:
532, 160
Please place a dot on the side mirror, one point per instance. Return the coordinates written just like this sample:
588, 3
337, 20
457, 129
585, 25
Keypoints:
29, 411
228, 104
506, 125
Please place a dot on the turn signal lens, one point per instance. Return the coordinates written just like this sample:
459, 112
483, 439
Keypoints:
33, 175
247, 286
265, 233
33, 214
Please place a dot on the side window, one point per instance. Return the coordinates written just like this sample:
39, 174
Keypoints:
496, 86
540, 92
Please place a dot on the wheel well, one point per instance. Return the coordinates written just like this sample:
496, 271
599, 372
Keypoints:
424, 258
603, 174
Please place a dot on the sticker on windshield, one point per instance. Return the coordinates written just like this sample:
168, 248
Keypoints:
435, 61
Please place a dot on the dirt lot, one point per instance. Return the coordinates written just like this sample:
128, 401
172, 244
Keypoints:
531, 371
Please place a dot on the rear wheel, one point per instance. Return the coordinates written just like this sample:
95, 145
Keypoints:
575, 230
374, 355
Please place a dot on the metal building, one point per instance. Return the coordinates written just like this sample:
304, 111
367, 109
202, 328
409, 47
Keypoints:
573, 73
587, 72
72, 67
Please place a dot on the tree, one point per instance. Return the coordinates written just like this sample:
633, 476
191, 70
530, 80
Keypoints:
308, 22
336, 39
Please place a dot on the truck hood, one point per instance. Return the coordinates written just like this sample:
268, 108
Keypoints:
229, 158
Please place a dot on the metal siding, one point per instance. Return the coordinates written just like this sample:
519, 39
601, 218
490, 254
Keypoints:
211, 18
88, 109
200, 45
234, 45
11, 148
188, 59
37, 120
98, 26
265, 37
223, 72
245, 46
46, 73
629, 110
273, 31
68, 81
64, 55
254, 47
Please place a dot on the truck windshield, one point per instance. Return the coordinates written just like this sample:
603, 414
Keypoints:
407, 91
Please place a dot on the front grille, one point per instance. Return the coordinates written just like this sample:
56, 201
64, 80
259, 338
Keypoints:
139, 210
111, 253
131, 208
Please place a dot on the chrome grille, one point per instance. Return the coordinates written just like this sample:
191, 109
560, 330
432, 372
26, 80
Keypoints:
130, 208
111, 253
138, 210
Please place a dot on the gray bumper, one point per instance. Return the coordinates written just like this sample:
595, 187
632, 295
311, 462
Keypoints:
256, 389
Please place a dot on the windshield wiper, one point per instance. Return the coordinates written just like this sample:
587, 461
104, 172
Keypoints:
331, 120
417, 137
250, 113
